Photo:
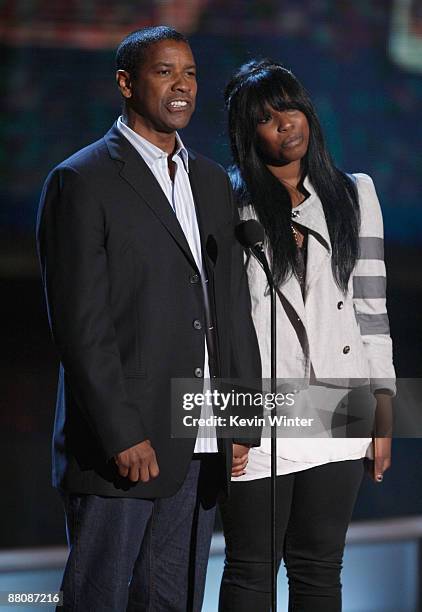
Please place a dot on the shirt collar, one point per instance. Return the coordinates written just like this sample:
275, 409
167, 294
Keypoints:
311, 214
149, 151
310, 199
182, 151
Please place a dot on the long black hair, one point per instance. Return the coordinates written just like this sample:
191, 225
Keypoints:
255, 86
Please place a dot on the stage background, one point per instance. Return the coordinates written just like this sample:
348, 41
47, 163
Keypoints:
361, 63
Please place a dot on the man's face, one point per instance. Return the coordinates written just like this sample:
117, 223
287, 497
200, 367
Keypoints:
164, 91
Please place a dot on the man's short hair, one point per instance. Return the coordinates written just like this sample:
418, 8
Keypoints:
131, 52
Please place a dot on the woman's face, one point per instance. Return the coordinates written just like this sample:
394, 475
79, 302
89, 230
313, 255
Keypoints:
282, 136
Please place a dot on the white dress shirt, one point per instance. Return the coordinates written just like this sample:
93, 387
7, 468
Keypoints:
179, 194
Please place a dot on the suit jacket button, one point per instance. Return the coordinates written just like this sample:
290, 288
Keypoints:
340, 305
198, 373
346, 350
197, 324
194, 279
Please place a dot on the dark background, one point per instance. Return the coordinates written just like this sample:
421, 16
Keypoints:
361, 63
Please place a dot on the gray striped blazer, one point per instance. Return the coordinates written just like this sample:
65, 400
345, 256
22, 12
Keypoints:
343, 336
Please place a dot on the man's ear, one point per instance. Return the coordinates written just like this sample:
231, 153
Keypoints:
124, 83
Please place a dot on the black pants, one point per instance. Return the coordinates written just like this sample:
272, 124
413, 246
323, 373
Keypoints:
314, 511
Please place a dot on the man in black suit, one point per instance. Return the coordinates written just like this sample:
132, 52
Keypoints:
144, 282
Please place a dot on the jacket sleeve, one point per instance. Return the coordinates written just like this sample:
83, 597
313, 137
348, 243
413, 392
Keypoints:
246, 361
71, 234
369, 289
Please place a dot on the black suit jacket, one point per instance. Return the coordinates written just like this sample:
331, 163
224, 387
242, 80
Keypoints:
123, 292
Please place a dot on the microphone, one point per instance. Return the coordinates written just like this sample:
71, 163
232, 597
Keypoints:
251, 236
250, 233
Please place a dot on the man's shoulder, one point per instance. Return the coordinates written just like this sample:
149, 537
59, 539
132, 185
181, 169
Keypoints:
90, 165
92, 156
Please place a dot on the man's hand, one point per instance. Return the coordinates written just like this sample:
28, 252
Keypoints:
138, 462
240, 459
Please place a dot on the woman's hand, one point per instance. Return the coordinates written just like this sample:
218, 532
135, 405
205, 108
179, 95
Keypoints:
382, 459
240, 459
382, 443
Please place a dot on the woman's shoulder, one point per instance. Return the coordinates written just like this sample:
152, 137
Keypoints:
371, 216
365, 187
364, 183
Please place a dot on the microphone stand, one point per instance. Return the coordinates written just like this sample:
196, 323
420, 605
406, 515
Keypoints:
258, 251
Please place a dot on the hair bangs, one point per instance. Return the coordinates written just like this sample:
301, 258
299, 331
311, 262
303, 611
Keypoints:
276, 89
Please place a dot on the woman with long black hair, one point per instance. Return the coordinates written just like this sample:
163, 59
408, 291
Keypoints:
324, 239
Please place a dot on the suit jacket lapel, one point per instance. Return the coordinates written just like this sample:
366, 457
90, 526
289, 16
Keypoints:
291, 291
310, 214
203, 205
136, 172
317, 257
319, 244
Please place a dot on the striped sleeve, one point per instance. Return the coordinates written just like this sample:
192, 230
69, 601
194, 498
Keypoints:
369, 289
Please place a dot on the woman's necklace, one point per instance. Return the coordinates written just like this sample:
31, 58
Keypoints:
300, 261
295, 235
297, 198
